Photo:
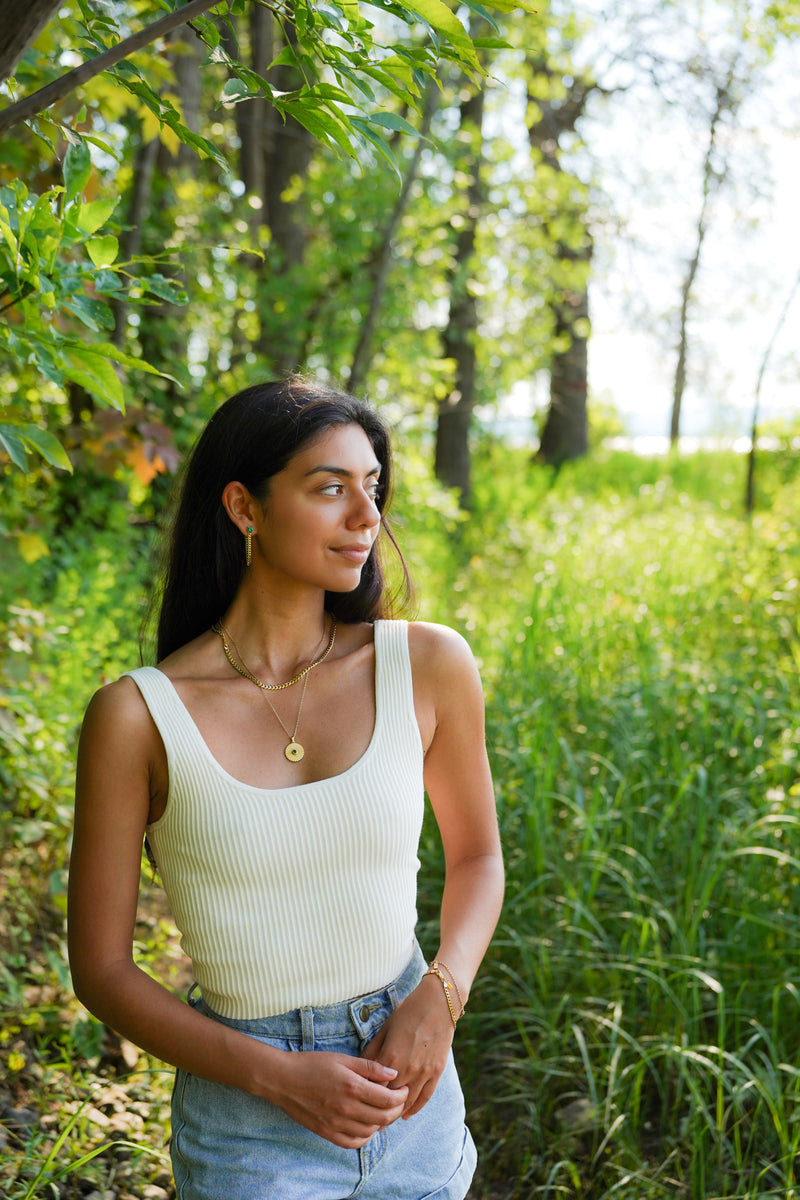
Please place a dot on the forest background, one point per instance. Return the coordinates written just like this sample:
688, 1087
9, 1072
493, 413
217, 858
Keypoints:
406, 198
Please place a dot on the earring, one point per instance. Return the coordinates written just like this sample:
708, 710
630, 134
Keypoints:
248, 545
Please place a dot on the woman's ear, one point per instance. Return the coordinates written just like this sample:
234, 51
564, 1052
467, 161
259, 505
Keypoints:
239, 505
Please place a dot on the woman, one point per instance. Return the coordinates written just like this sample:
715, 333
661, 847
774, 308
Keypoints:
274, 760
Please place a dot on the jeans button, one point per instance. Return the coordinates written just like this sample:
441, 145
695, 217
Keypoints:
366, 1013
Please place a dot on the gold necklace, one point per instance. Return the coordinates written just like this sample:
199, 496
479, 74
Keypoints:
293, 751
219, 628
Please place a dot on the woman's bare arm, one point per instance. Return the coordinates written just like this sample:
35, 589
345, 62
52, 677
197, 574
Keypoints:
449, 701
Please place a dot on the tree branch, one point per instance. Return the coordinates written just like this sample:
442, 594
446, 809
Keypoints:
382, 259
37, 102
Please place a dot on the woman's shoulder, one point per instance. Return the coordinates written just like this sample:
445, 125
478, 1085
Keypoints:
195, 660
443, 638
438, 648
117, 710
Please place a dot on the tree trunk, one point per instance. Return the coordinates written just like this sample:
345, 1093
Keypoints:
186, 57
380, 263
287, 156
564, 435
452, 455
565, 432
750, 486
710, 176
273, 154
156, 173
131, 241
21, 22
254, 117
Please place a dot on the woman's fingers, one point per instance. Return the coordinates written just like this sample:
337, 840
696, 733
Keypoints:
416, 1041
415, 1104
343, 1099
373, 1049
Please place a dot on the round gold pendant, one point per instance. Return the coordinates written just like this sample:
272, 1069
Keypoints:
294, 752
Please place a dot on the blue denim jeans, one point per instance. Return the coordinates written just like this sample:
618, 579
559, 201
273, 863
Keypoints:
229, 1145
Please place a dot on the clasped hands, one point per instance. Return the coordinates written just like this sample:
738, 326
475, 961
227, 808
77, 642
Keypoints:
347, 1100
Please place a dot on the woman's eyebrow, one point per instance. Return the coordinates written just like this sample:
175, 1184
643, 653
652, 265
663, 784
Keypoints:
328, 468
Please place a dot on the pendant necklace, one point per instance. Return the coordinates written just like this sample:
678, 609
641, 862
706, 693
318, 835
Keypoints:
294, 750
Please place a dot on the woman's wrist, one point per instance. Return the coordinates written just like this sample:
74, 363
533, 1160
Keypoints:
450, 988
263, 1068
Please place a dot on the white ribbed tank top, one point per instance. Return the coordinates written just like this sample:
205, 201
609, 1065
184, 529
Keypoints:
295, 896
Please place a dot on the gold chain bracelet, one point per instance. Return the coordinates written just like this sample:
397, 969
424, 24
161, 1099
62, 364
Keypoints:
435, 968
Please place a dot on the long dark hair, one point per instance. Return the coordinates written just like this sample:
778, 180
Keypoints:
250, 438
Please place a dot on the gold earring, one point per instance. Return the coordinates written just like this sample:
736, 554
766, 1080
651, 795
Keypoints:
248, 545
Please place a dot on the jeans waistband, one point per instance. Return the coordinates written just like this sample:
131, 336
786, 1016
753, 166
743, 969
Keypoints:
359, 1014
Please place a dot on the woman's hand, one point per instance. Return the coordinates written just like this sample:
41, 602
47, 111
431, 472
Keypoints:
343, 1099
415, 1040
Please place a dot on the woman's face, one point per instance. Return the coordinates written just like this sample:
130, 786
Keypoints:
320, 517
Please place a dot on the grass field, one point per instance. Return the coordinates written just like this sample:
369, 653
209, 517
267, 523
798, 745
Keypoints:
634, 1031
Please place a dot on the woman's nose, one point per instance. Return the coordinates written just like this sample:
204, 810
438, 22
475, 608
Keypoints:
365, 512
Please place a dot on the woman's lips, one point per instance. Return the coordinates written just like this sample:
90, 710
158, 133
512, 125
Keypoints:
355, 553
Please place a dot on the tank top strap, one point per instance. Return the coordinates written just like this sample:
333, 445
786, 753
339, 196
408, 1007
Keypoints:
394, 689
171, 717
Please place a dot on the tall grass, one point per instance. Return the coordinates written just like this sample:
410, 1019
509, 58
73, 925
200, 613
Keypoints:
634, 1031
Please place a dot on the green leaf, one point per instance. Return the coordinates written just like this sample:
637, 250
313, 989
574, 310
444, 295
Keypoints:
235, 91
103, 251
328, 91
14, 446
323, 125
94, 215
436, 14
217, 55
109, 148
508, 6
380, 143
197, 142
94, 314
77, 169
107, 282
112, 353
8, 235
84, 365
286, 58
393, 71
393, 121
482, 11
170, 290
47, 444
357, 80
350, 10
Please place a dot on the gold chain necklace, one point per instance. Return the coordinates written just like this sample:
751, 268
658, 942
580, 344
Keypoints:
293, 751
219, 628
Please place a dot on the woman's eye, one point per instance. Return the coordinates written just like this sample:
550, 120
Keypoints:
332, 489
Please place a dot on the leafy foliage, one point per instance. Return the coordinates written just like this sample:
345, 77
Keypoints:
64, 280
57, 261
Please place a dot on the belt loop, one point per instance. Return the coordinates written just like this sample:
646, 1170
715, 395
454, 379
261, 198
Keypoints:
394, 999
307, 1028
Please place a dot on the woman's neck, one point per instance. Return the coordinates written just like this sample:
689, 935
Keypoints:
273, 636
